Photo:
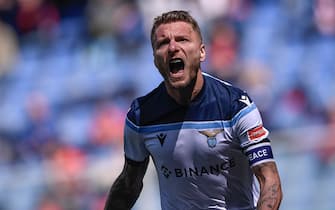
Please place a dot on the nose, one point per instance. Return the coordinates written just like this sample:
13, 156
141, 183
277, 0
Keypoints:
173, 46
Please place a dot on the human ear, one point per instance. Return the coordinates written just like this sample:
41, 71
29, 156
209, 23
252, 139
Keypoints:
202, 52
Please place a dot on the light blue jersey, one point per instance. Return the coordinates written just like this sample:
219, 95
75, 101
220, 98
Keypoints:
203, 152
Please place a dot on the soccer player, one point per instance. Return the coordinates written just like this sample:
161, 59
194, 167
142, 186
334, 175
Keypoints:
205, 136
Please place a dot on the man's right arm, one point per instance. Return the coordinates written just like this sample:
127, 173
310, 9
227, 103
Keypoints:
128, 186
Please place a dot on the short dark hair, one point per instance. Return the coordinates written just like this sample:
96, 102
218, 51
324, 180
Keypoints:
174, 16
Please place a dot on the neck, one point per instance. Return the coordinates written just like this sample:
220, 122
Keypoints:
184, 96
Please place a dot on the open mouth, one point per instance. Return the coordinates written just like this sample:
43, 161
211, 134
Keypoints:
176, 65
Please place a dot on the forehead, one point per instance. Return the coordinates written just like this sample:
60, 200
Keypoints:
174, 29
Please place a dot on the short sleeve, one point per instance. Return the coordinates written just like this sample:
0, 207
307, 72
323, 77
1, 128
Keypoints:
252, 134
133, 143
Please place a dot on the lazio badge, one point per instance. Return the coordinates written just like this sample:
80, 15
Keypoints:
211, 136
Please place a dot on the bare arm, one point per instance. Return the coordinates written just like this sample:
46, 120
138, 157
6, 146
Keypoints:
270, 186
127, 187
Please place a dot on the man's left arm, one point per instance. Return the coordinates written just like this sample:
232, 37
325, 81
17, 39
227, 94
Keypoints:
270, 186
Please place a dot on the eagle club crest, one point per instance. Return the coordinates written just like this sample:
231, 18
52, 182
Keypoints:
211, 136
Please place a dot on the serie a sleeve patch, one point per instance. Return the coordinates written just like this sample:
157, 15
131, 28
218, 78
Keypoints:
259, 153
257, 133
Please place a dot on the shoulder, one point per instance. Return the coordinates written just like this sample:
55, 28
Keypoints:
223, 87
229, 95
145, 104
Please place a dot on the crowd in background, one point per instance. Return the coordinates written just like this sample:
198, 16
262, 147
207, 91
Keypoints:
69, 70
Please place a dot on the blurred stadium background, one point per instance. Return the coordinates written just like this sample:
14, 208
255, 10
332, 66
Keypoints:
70, 68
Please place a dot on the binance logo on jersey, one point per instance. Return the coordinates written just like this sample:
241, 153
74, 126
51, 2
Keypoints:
211, 136
206, 170
166, 172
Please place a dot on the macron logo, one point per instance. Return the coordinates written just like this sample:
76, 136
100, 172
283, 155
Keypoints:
161, 137
245, 99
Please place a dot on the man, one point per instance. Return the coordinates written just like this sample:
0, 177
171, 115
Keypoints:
205, 136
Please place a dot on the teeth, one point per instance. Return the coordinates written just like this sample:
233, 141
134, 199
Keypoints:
175, 65
175, 60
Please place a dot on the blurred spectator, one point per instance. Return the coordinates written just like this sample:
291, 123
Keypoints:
100, 21
64, 195
107, 126
8, 49
324, 15
37, 16
47, 203
224, 50
7, 152
116, 19
326, 150
40, 131
67, 163
297, 16
317, 70
289, 109
238, 10
151, 8
65, 186
256, 76
71, 8
8, 12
